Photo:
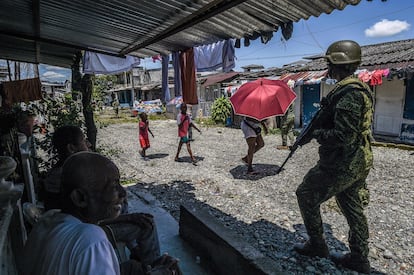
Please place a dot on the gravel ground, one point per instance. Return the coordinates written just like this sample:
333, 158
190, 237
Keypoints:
262, 208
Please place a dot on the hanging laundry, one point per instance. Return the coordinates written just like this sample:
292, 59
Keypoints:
177, 74
164, 87
254, 36
237, 43
188, 77
228, 56
376, 78
209, 57
246, 42
96, 63
287, 30
21, 91
291, 83
213, 56
266, 36
364, 75
156, 58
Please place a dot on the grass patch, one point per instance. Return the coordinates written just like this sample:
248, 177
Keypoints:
128, 181
206, 121
107, 117
109, 152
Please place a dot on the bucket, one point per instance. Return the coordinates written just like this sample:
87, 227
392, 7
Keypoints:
228, 122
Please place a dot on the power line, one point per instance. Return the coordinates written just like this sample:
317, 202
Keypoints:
274, 57
321, 31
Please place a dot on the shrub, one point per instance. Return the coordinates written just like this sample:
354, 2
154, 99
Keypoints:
221, 109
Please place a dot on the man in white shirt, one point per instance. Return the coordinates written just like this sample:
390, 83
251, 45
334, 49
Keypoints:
70, 241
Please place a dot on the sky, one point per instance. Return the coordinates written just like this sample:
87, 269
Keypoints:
369, 22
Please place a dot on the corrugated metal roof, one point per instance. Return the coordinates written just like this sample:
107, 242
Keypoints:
395, 54
210, 80
51, 31
306, 77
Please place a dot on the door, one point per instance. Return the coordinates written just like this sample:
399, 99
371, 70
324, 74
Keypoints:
389, 102
310, 102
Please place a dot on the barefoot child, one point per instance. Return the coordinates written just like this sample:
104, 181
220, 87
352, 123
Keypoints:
184, 123
143, 134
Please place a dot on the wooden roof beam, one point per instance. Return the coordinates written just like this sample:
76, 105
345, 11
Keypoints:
206, 12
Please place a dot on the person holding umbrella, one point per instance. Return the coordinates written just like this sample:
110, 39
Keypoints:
256, 101
252, 133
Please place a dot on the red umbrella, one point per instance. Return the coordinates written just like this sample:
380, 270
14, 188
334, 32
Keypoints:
262, 98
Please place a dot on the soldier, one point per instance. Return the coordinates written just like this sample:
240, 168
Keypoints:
287, 124
344, 135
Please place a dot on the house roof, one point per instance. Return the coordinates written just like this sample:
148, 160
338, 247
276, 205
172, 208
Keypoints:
395, 54
308, 76
51, 31
213, 79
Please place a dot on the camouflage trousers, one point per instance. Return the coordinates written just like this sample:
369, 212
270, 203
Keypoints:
287, 131
351, 195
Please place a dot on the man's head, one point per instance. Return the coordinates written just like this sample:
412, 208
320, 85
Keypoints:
90, 187
68, 140
343, 58
183, 108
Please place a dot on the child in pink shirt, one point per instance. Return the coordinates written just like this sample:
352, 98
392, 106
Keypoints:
143, 134
184, 123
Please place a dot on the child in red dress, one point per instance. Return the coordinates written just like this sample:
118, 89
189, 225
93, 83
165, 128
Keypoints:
143, 134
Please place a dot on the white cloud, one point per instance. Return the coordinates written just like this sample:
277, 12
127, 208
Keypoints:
52, 75
50, 68
386, 27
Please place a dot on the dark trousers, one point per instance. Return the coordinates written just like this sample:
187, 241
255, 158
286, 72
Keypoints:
318, 186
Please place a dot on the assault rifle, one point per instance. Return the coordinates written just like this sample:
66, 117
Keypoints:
305, 135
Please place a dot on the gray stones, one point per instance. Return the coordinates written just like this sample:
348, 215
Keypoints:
263, 208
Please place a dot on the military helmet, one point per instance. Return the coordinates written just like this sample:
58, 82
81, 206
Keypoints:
344, 52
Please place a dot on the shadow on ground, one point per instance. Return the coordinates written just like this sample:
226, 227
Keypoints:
276, 243
188, 159
157, 156
262, 170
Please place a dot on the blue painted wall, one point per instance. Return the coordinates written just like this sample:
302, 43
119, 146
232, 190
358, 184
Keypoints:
310, 102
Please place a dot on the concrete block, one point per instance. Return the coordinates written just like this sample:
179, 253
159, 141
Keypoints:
220, 249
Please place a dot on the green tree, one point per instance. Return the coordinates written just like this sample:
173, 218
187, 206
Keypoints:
101, 84
221, 109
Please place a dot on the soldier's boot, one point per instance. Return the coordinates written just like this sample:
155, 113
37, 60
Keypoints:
352, 261
314, 247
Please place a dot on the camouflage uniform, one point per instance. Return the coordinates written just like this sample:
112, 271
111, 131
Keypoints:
288, 122
345, 160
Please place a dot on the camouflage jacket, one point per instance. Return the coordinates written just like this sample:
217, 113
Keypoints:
290, 114
345, 133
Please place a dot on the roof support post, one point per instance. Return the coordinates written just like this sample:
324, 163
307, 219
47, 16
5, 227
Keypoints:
36, 27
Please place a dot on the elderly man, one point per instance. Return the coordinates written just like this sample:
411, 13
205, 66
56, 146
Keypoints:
343, 130
71, 241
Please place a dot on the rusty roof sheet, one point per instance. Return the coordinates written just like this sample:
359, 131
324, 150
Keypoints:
51, 31
212, 79
308, 76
